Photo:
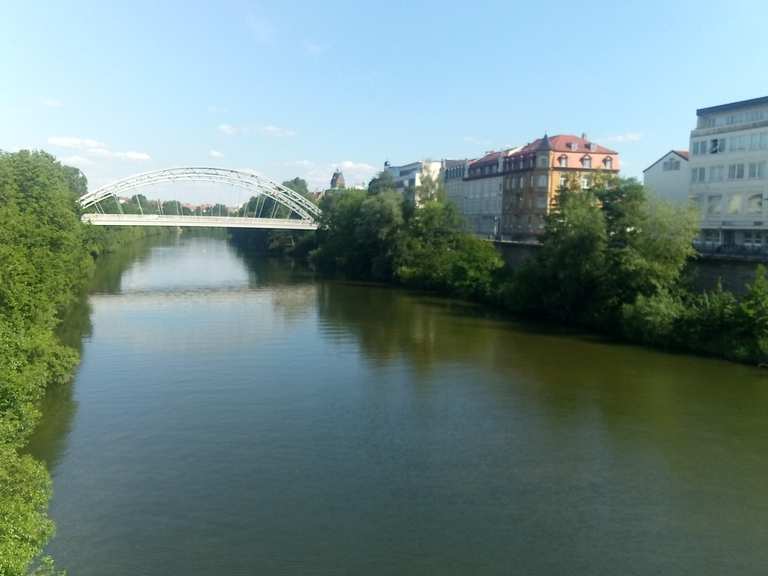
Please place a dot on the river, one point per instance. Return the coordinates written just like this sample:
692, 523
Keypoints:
233, 415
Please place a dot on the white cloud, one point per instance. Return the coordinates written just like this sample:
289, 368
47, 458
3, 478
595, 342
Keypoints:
228, 129
74, 143
215, 154
78, 161
102, 152
272, 130
318, 174
52, 103
622, 138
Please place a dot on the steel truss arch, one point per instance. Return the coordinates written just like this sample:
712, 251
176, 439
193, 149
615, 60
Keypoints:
254, 183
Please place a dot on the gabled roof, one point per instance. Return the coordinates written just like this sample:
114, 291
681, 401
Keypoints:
492, 157
681, 153
560, 143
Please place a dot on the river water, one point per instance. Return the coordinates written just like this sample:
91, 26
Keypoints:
233, 415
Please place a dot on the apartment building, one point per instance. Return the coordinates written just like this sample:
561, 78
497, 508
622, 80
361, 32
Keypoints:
669, 176
534, 174
729, 174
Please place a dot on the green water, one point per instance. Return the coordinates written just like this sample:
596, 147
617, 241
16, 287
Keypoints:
236, 416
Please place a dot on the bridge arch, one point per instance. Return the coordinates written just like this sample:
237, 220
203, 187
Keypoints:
299, 206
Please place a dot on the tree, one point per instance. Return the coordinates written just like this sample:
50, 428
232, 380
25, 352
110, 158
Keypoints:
383, 182
298, 185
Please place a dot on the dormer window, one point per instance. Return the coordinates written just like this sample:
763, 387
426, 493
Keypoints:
586, 162
571, 145
562, 161
608, 163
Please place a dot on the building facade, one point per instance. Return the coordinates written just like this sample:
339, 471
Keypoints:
729, 174
669, 177
479, 198
409, 176
454, 172
534, 174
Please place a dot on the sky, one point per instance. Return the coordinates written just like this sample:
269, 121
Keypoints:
290, 88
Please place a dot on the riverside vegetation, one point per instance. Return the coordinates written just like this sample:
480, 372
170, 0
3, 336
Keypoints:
46, 258
612, 260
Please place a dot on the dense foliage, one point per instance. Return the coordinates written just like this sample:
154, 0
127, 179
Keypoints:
46, 256
376, 235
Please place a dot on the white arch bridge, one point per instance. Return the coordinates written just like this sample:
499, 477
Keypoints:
297, 212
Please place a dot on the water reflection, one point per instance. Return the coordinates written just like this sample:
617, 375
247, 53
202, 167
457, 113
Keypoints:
238, 416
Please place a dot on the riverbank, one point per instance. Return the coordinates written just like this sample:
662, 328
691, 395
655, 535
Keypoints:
47, 257
611, 261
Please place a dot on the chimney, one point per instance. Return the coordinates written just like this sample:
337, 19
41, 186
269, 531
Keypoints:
583, 135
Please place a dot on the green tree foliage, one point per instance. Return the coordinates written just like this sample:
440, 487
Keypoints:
45, 258
603, 249
383, 182
367, 236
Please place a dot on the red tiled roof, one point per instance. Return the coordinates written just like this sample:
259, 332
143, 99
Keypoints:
559, 143
492, 157
683, 153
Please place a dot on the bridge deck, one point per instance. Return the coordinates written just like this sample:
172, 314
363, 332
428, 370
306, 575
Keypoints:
197, 221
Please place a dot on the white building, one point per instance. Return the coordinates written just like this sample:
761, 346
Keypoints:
669, 176
729, 174
409, 176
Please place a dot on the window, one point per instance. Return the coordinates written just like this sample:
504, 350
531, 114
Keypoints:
713, 204
717, 146
757, 170
585, 182
671, 164
563, 180
735, 171
543, 162
737, 143
755, 204
586, 162
734, 204
706, 122
571, 145
541, 181
608, 163
716, 173
541, 200
697, 175
700, 148
563, 161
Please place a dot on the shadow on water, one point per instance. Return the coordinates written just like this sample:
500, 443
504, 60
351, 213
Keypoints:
59, 407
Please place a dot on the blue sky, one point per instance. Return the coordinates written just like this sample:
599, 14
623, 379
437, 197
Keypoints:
293, 88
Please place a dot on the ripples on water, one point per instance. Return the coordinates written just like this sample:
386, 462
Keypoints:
233, 416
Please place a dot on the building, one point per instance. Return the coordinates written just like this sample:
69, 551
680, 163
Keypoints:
408, 177
337, 180
535, 173
479, 199
669, 177
729, 174
454, 172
